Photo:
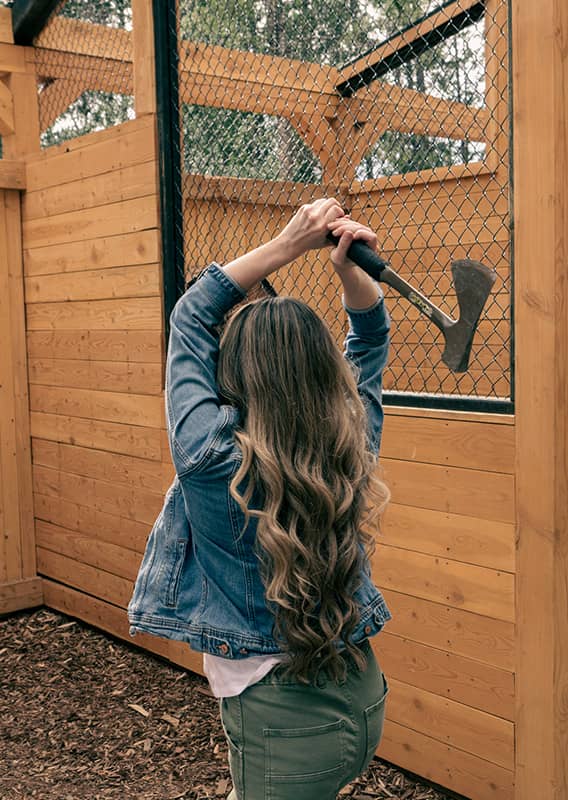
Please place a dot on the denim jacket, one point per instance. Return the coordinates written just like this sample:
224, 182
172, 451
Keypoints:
199, 579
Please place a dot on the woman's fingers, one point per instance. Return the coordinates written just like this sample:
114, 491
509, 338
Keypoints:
361, 232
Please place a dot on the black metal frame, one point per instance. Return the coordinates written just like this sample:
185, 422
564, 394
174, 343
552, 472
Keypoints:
411, 49
171, 211
29, 18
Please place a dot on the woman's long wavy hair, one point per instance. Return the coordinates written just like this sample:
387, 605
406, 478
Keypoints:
303, 436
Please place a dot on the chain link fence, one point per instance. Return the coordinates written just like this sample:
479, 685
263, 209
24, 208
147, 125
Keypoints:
400, 108
83, 59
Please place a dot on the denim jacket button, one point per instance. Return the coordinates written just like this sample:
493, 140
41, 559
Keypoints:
224, 648
368, 629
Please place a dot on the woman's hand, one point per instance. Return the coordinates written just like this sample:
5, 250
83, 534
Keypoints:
359, 290
346, 230
308, 228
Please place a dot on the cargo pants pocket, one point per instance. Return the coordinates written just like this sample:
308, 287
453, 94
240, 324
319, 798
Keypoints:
303, 763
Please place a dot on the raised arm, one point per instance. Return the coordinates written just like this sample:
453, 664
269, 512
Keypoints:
367, 341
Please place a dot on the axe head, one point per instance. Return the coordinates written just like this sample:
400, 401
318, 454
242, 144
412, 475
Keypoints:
472, 282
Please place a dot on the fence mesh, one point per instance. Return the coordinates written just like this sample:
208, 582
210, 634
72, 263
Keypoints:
83, 59
400, 108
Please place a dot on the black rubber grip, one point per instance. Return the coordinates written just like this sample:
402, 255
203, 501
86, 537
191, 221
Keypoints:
362, 255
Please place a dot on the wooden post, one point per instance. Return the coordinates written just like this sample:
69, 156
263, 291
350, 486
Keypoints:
143, 57
19, 585
540, 85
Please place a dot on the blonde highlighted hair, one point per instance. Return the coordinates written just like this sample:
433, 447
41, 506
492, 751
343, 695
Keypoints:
307, 475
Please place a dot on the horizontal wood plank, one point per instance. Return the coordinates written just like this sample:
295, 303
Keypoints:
460, 444
454, 536
124, 501
20, 594
453, 583
142, 410
133, 314
89, 521
453, 490
112, 219
449, 675
87, 550
135, 180
136, 347
106, 252
484, 735
436, 761
118, 469
490, 641
103, 284
116, 148
113, 437
83, 577
115, 376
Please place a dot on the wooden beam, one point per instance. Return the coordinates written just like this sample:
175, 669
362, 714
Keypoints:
17, 595
86, 38
29, 17
540, 110
6, 110
55, 98
12, 174
285, 73
93, 72
6, 32
144, 58
395, 108
437, 26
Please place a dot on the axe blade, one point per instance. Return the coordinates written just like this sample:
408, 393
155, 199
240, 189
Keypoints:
473, 282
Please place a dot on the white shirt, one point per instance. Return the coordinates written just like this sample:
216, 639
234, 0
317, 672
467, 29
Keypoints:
229, 677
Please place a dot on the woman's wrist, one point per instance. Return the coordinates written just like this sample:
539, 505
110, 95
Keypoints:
249, 269
360, 291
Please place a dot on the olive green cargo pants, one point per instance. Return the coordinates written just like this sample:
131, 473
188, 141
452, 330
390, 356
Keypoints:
289, 741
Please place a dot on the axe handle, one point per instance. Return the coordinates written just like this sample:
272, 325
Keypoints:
362, 255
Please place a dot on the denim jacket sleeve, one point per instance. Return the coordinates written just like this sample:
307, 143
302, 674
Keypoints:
366, 346
195, 416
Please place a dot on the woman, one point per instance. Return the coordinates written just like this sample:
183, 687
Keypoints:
260, 556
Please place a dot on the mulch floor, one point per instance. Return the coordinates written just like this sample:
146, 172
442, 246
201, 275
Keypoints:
84, 716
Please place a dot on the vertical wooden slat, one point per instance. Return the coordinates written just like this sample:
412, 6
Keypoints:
540, 81
143, 56
23, 86
12, 215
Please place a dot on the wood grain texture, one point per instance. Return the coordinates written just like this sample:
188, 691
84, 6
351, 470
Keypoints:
541, 331
451, 489
449, 675
18, 595
121, 500
135, 347
135, 180
454, 630
461, 772
140, 247
455, 536
115, 376
468, 729
113, 437
465, 586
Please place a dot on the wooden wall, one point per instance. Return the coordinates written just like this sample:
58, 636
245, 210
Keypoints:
101, 466
96, 352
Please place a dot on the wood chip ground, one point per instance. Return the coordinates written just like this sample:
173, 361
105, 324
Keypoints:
84, 716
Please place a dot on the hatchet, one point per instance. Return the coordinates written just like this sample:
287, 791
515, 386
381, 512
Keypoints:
472, 282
